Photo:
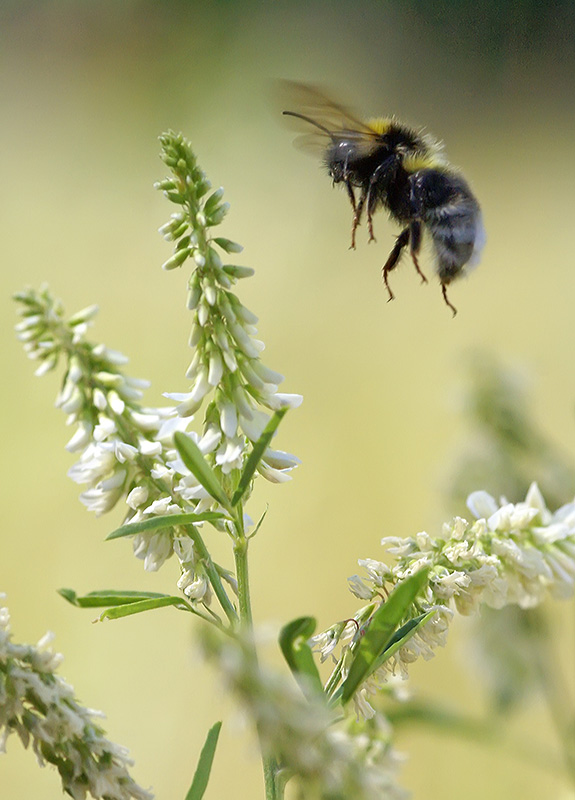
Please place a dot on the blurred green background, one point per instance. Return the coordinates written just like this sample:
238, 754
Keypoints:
85, 90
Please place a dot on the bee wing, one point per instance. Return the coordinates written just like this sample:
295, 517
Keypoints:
304, 105
313, 102
315, 144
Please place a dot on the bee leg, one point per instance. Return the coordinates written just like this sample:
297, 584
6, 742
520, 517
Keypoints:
371, 204
355, 221
358, 211
415, 244
394, 257
444, 293
351, 195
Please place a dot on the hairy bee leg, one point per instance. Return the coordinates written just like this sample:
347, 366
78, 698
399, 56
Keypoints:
371, 204
444, 293
358, 211
415, 245
355, 221
394, 257
351, 195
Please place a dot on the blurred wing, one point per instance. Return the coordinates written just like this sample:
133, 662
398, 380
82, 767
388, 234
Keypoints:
315, 144
321, 120
313, 102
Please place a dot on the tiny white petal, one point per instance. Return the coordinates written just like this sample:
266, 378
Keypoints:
99, 399
229, 419
481, 504
273, 475
116, 403
137, 497
80, 438
265, 373
74, 402
216, 369
211, 294
230, 360
210, 439
282, 400
148, 448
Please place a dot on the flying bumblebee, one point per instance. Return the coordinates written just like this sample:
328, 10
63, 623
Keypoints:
400, 169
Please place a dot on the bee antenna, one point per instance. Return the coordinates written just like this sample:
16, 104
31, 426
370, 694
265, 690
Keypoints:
308, 119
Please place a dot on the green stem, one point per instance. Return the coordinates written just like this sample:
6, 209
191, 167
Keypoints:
273, 792
270, 766
241, 559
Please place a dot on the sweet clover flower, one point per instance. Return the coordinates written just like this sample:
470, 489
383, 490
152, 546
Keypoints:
226, 365
511, 554
40, 707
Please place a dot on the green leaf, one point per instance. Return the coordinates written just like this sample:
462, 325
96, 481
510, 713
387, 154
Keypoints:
202, 773
107, 597
200, 469
298, 654
144, 605
402, 635
380, 631
258, 526
256, 455
166, 521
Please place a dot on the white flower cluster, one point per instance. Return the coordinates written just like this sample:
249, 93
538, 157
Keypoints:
512, 554
125, 448
226, 359
41, 708
327, 759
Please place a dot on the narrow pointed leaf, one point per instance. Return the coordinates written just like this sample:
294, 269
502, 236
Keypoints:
298, 654
402, 635
202, 773
380, 631
256, 455
144, 605
258, 526
194, 460
107, 597
165, 521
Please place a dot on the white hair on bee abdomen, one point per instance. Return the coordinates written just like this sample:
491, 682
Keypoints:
458, 236
480, 239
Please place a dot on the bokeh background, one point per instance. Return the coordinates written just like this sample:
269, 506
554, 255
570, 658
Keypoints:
85, 90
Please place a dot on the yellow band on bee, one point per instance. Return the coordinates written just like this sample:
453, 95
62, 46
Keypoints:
380, 125
416, 161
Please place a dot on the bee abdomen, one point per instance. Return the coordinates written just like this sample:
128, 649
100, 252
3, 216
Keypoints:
455, 224
455, 236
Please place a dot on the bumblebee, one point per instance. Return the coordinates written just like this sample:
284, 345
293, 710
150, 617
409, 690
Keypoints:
402, 170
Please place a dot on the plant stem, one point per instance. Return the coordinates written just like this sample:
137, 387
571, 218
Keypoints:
241, 544
245, 606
